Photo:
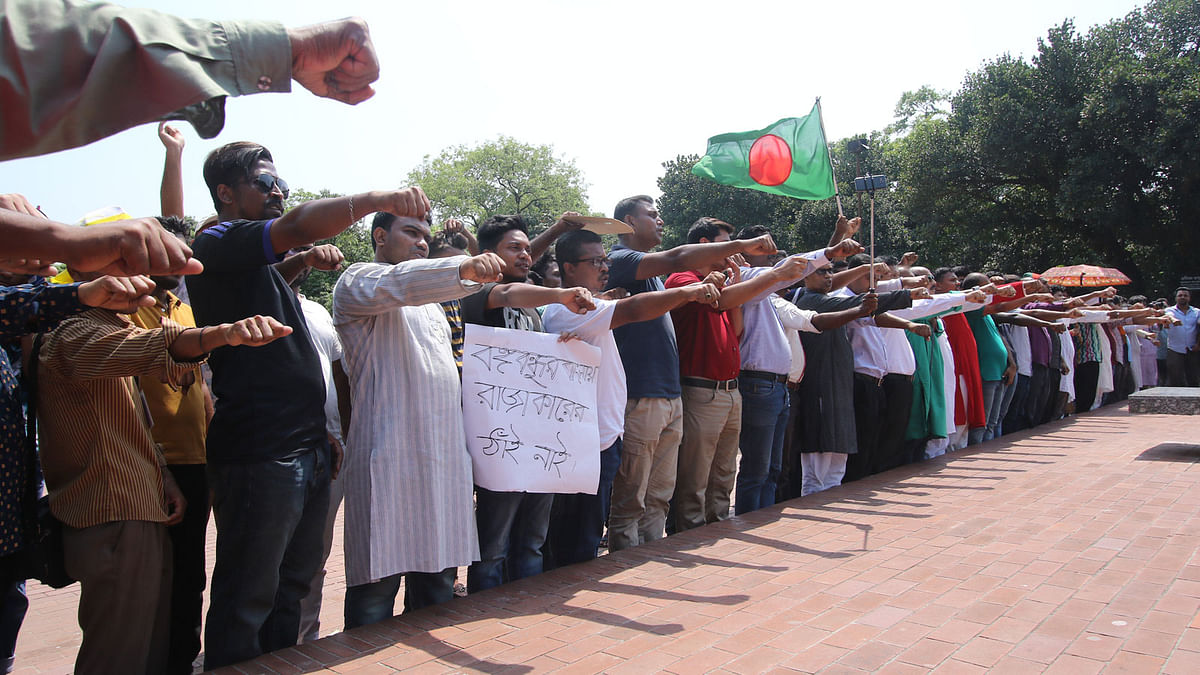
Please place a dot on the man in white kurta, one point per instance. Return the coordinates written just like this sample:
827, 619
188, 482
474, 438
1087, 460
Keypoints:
408, 474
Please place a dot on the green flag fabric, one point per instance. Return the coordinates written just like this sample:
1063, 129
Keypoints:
788, 158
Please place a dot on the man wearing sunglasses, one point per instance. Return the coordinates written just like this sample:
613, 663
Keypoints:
269, 458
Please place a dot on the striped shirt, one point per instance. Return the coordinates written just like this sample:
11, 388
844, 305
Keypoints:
453, 310
100, 463
407, 472
177, 413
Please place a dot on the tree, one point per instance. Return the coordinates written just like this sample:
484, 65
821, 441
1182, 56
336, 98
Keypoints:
1085, 153
503, 176
915, 106
354, 241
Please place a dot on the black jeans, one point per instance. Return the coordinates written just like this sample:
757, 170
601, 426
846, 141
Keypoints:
898, 395
1182, 370
1087, 376
869, 402
187, 584
577, 520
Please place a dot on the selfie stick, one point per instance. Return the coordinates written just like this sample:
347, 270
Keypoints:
872, 193
868, 184
825, 139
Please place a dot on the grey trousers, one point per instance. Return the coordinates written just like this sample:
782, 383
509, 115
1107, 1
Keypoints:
124, 573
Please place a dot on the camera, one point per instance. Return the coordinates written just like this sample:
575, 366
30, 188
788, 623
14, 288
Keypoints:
870, 183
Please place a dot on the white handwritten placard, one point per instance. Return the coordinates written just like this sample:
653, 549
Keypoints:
529, 404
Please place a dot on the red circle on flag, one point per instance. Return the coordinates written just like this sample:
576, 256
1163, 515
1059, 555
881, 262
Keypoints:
770, 160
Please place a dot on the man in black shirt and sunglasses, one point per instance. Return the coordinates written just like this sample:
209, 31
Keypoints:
269, 458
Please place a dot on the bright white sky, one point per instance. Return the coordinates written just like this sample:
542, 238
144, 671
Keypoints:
618, 86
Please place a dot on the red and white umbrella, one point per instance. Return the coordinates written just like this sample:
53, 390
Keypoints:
1085, 275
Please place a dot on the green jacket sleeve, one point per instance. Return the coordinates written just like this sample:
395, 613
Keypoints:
74, 72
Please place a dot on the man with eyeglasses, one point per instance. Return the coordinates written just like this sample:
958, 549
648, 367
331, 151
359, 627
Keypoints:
825, 429
269, 457
577, 520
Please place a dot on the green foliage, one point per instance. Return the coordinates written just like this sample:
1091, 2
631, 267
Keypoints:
1089, 152
501, 177
354, 241
916, 106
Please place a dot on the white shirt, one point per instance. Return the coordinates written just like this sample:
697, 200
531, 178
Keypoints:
866, 340
793, 319
409, 493
763, 345
329, 349
1019, 336
595, 328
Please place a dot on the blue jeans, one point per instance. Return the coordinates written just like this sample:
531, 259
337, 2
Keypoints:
375, 601
764, 423
993, 401
512, 526
577, 520
270, 520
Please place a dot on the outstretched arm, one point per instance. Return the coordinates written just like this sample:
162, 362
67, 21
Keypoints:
885, 320
646, 306
136, 246
323, 218
830, 320
578, 300
700, 256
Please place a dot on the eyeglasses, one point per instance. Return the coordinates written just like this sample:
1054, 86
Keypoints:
265, 182
598, 263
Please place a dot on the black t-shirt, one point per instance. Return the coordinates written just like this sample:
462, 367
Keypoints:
474, 310
270, 399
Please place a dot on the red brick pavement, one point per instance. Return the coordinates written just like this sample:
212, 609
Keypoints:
1070, 549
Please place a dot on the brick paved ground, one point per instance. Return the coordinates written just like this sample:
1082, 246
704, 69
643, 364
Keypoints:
1074, 550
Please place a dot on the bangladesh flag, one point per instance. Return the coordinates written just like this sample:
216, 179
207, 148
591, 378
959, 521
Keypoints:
788, 158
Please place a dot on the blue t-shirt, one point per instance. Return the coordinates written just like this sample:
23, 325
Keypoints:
271, 399
647, 348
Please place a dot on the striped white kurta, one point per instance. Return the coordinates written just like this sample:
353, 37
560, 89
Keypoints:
407, 472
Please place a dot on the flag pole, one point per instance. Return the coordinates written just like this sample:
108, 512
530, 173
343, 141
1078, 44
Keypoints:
821, 119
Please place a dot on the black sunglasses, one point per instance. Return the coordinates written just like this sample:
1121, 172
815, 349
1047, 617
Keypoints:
265, 182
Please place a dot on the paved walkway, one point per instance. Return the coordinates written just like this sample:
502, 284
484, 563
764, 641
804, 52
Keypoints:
1073, 549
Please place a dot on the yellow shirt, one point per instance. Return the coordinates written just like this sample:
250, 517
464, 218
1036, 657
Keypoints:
177, 413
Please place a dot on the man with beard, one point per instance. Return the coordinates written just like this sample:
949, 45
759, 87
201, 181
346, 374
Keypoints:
408, 493
645, 480
512, 525
269, 459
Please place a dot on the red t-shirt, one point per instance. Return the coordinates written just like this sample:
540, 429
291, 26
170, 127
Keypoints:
708, 347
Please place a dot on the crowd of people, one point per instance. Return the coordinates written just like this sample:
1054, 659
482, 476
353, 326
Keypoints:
733, 376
